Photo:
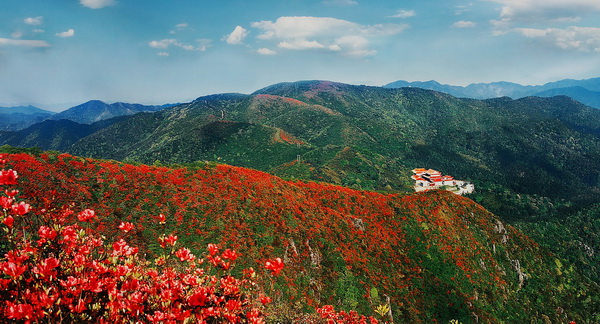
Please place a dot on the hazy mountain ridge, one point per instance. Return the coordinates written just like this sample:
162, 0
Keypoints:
96, 110
567, 87
20, 117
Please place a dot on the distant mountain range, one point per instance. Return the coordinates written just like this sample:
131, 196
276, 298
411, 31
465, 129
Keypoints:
21, 117
16, 118
584, 91
96, 110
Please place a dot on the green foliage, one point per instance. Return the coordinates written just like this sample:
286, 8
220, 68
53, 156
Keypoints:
348, 291
13, 150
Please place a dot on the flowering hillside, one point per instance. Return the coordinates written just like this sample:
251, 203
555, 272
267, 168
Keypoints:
433, 257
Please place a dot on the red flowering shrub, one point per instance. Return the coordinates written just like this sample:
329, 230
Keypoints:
275, 265
60, 273
332, 317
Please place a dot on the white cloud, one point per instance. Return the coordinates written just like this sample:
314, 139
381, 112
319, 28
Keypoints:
68, 33
37, 30
543, 10
204, 44
300, 44
181, 26
166, 43
16, 34
324, 33
237, 36
35, 21
265, 51
461, 9
585, 39
23, 42
340, 2
404, 14
162, 44
97, 4
356, 46
186, 47
163, 54
464, 24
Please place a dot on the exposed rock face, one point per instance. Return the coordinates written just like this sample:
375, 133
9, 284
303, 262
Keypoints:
500, 229
358, 223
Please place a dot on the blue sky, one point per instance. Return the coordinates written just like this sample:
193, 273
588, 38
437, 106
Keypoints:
56, 54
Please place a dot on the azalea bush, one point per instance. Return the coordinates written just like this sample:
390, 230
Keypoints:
55, 272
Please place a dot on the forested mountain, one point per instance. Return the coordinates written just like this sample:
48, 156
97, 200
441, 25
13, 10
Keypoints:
57, 135
433, 256
581, 94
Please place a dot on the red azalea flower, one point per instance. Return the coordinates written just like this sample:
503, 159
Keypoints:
46, 268
6, 203
184, 254
8, 177
18, 311
265, 300
126, 226
233, 305
69, 233
9, 221
162, 219
170, 240
199, 298
47, 232
120, 247
230, 254
12, 269
225, 265
275, 265
213, 249
21, 208
80, 307
11, 193
86, 215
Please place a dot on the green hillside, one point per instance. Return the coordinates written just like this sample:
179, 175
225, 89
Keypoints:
437, 256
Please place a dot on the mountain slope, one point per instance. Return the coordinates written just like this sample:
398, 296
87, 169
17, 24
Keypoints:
437, 256
96, 110
52, 135
583, 95
390, 130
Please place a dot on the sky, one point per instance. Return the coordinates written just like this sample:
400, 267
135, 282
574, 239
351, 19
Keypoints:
57, 54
